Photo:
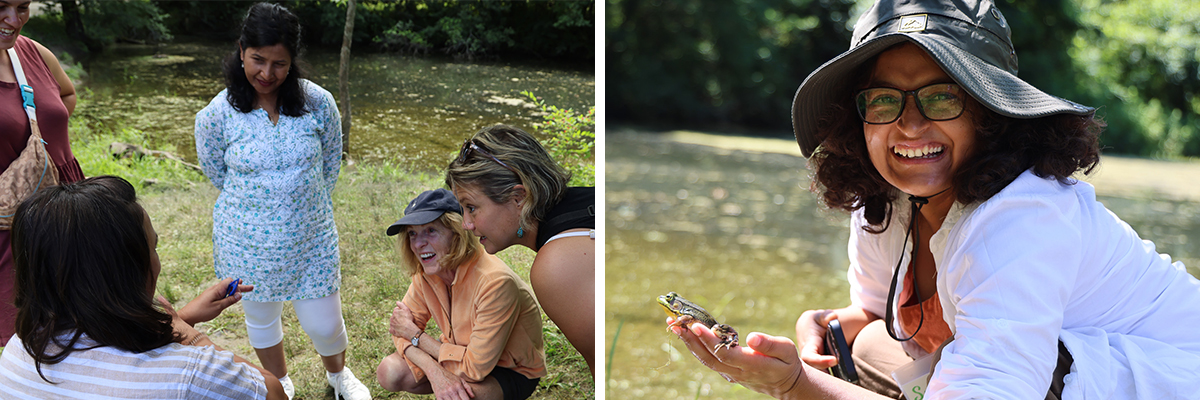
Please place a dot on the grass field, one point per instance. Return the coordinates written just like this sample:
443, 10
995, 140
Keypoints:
367, 199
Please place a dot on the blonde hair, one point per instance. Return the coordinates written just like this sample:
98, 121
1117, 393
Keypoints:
463, 246
528, 164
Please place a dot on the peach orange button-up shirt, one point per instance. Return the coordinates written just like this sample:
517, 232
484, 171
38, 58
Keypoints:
488, 317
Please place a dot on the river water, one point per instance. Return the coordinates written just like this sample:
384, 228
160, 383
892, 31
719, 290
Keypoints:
739, 233
407, 110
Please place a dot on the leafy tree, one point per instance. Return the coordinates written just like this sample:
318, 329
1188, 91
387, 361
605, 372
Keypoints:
1141, 61
571, 139
471, 29
98, 23
729, 62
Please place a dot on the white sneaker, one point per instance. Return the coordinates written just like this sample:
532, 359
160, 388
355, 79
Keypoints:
288, 388
347, 386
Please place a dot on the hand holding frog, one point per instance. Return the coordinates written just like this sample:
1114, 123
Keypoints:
766, 364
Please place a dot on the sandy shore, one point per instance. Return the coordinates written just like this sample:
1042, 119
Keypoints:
1117, 176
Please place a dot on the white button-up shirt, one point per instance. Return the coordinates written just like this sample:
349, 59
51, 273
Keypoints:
1041, 262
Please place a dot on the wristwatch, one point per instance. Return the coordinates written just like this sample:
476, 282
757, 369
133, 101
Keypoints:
416, 340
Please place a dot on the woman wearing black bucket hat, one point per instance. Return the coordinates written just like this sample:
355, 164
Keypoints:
491, 344
971, 242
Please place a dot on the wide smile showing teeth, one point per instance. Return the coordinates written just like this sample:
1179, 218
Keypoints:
7, 32
426, 256
929, 151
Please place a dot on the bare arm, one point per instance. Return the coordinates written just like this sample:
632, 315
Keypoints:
445, 384
403, 325
211, 302
563, 277
66, 88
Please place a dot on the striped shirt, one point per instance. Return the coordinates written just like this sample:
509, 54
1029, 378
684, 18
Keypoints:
173, 371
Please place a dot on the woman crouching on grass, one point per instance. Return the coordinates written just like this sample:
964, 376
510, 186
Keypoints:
87, 325
491, 345
515, 194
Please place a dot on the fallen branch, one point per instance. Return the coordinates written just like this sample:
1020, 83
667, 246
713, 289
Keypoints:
126, 150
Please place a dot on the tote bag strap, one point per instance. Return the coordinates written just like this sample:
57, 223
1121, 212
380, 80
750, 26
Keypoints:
48, 172
26, 90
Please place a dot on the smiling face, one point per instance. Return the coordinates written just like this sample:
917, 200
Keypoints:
495, 223
13, 16
914, 154
431, 243
266, 68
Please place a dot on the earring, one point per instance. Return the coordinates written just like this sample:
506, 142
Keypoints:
243, 65
520, 231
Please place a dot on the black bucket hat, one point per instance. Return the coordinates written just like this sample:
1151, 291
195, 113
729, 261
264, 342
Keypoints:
427, 207
969, 39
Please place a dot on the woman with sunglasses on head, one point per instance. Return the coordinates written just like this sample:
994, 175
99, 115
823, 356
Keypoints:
971, 242
491, 345
54, 100
271, 142
513, 193
87, 323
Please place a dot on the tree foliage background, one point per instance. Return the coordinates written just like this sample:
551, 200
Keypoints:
735, 64
561, 30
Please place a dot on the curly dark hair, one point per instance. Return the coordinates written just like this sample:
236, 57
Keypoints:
1054, 146
83, 267
267, 25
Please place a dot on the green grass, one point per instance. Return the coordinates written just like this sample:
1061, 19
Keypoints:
368, 198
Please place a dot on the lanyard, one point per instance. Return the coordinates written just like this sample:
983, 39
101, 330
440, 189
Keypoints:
913, 228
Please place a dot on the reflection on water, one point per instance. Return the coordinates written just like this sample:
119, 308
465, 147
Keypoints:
739, 233
736, 232
412, 110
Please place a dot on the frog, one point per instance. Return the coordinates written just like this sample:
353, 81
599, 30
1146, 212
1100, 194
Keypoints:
687, 312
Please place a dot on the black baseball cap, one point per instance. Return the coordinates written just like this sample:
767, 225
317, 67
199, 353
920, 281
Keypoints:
427, 207
969, 39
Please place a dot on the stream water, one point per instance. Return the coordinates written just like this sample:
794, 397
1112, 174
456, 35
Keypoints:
408, 110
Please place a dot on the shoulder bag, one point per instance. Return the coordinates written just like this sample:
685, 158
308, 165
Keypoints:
33, 169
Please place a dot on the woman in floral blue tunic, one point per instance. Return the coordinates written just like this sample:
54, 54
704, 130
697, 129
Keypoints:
271, 143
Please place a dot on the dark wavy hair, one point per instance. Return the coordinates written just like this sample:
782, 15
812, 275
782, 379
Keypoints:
83, 267
1054, 146
267, 24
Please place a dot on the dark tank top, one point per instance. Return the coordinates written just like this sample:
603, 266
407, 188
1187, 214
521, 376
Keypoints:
577, 209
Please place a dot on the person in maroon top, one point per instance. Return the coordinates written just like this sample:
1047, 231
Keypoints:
54, 97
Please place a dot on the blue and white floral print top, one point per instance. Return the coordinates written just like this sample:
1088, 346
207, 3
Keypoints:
273, 221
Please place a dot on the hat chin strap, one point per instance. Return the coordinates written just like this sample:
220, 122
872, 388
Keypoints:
917, 202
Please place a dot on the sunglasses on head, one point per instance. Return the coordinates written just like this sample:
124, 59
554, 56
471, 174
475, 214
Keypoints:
936, 102
469, 146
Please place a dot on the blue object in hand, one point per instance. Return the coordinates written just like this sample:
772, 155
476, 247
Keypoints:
229, 291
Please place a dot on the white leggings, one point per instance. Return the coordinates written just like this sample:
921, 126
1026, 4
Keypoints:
321, 319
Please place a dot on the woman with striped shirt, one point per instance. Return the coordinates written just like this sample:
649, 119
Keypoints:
87, 324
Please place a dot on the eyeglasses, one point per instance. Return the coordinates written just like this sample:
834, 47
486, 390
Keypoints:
469, 146
937, 102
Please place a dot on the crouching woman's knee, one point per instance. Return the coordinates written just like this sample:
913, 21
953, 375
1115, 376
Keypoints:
394, 375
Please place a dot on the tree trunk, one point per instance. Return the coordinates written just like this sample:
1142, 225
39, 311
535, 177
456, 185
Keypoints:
74, 23
344, 79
